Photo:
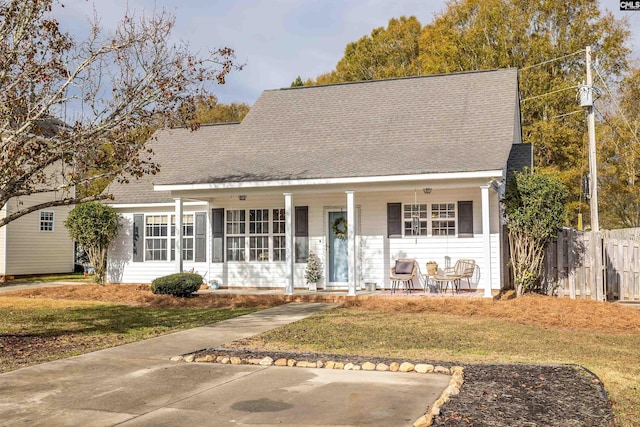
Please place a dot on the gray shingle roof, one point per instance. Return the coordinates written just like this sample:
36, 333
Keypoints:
173, 150
460, 122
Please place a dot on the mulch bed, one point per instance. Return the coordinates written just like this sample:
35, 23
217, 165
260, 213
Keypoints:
495, 395
528, 395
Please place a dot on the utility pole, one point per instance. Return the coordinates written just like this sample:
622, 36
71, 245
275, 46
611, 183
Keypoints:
591, 128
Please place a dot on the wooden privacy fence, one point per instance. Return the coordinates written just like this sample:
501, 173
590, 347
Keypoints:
589, 265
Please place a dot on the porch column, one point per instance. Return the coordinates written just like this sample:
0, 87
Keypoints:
289, 243
486, 237
351, 241
178, 234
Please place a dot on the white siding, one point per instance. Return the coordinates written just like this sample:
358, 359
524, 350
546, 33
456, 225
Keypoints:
375, 252
3, 243
31, 251
121, 268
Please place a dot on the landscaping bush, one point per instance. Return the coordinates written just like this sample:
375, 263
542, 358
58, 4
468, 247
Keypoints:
178, 284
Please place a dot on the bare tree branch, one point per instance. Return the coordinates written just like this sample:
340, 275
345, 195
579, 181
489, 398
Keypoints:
116, 87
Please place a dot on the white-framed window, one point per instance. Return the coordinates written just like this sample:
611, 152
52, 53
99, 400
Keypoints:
443, 219
279, 239
155, 237
47, 220
415, 220
258, 234
187, 237
236, 230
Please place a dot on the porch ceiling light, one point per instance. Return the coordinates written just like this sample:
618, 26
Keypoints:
427, 190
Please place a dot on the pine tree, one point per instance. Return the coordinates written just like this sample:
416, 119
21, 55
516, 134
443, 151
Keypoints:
313, 272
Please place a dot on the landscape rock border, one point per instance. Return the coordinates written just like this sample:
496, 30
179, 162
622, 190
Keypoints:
335, 361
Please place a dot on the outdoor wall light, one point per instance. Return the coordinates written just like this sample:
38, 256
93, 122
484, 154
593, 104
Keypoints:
426, 190
242, 197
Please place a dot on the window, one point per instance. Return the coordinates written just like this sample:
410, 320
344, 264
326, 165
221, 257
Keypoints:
156, 228
443, 219
46, 221
236, 227
187, 237
415, 220
258, 234
279, 240
154, 237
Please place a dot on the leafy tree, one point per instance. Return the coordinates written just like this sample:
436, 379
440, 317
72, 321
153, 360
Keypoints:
297, 82
486, 34
110, 84
207, 109
535, 209
387, 52
543, 38
619, 157
94, 226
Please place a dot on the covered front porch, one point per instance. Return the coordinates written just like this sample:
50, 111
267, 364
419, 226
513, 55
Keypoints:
260, 236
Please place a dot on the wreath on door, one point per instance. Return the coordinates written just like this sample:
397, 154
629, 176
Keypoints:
339, 228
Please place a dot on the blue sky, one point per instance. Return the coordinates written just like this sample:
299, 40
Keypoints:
277, 39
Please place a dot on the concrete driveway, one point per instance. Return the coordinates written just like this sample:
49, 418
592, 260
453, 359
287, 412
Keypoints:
137, 385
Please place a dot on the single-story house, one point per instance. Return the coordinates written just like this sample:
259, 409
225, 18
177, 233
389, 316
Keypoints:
361, 174
37, 243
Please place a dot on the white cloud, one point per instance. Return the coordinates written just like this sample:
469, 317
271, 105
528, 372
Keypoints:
277, 39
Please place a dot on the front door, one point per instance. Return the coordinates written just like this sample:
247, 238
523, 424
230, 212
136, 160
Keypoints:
338, 249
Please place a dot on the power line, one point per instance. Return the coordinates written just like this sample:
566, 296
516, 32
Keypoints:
549, 93
617, 106
551, 60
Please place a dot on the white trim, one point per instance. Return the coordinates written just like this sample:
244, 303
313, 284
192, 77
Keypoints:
289, 245
486, 236
351, 238
178, 235
329, 181
153, 205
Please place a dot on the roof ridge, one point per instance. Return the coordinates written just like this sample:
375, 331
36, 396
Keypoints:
202, 125
421, 76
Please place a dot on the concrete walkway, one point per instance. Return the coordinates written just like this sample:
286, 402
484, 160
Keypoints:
137, 385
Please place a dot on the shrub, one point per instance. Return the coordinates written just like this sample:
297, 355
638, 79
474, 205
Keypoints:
178, 284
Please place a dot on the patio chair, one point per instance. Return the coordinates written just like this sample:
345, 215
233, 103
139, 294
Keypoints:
463, 269
403, 273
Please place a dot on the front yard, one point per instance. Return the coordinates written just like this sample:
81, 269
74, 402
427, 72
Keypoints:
50, 323
604, 338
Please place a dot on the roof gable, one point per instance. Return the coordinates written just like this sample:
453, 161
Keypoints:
432, 124
450, 123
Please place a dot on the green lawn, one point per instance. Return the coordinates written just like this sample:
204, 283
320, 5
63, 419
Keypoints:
430, 335
36, 331
69, 277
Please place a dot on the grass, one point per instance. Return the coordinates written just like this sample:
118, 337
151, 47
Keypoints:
38, 330
67, 277
604, 338
43, 324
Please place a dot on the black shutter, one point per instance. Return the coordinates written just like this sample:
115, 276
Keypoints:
217, 225
394, 219
301, 233
138, 238
200, 234
465, 219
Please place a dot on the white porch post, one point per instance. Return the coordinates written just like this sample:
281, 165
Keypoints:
351, 241
289, 244
178, 236
486, 237
209, 240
